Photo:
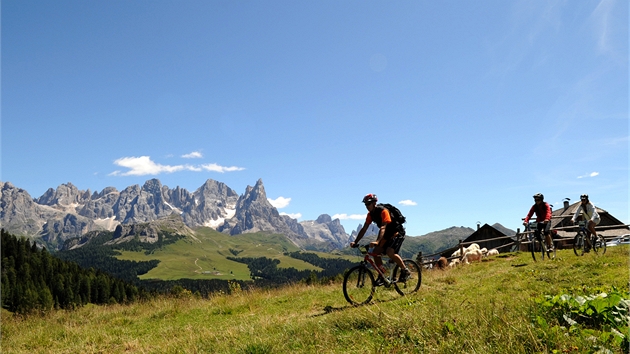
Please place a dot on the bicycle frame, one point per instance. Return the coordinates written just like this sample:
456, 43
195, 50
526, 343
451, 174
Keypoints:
368, 258
532, 229
587, 233
359, 283
583, 228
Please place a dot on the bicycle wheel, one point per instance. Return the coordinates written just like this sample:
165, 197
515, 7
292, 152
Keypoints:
535, 247
358, 285
532, 248
552, 254
412, 283
599, 243
578, 244
543, 250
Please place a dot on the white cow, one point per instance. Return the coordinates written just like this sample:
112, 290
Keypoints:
453, 263
465, 249
492, 252
473, 255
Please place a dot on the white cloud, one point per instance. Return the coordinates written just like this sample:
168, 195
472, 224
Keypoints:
592, 174
407, 202
279, 202
349, 217
216, 168
143, 165
293, 216
193, 155
140, 166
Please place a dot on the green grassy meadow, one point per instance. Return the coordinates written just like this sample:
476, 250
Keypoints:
487, 307
205, 256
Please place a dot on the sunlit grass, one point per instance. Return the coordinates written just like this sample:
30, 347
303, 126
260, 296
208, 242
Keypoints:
485, 307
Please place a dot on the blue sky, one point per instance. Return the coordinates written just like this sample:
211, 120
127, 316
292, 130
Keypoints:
456, 111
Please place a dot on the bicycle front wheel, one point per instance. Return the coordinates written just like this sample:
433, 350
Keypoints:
578, 244
413, 281
358, 285
543, 250
532, 248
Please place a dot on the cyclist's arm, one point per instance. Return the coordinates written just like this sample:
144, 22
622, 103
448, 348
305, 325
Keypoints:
529, 215
386, 219
366, 224
381, 234
594, 214
547, 213
359, 236
577, 212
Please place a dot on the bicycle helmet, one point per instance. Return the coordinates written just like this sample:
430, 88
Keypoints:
369, 198
539, 196
584, 197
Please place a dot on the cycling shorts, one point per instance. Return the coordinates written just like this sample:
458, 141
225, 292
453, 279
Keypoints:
546, 227
395, 243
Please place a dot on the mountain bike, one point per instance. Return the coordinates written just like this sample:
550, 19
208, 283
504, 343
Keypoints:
536, 244
579, 246
359, 284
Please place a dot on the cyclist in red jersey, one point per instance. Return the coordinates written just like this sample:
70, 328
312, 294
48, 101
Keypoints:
389, 238
543, 218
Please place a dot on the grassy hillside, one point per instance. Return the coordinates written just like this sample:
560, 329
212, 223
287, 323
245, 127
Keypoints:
206, 256
496, 306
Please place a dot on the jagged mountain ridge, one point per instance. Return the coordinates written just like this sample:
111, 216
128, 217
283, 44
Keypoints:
67, 212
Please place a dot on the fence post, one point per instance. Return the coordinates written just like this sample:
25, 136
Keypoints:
419, 258
518, 239
461, 250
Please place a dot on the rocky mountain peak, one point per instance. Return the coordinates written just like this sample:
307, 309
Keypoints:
153, 186
323, 219
67, 212
65, 194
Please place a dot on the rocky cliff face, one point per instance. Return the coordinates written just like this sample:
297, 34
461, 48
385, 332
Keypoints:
372, 230
325, 233
254, 213
67, 212
22, 215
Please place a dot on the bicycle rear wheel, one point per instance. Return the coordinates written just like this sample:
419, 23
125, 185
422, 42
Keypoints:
543, 250
599, 243
358, 285
413, 281
578, 244
552, 254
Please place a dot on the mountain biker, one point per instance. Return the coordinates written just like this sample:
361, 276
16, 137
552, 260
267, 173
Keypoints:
587, 209
543, 218
390, 235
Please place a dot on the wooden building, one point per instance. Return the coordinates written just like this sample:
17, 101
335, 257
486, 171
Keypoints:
487, 237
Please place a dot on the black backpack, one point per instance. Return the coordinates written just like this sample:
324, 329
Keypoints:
395, 214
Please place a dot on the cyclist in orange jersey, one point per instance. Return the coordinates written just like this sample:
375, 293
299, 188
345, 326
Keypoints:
389, 237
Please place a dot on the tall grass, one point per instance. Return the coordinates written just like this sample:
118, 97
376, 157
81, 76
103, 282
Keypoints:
486, 307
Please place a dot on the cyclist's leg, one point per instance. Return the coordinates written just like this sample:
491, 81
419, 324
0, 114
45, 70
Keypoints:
591, 228
378, 259
537, 232
391, 253
548, 236
393, 248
